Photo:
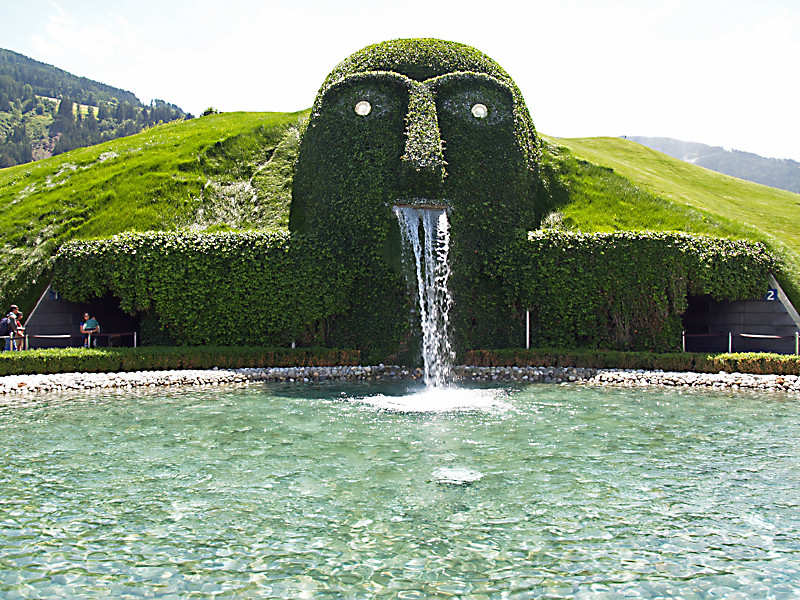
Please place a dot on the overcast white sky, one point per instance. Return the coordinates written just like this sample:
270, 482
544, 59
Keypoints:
721, 72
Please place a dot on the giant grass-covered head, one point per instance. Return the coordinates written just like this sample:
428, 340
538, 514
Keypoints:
420, 122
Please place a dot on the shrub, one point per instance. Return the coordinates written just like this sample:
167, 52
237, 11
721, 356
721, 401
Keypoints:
246, 288
109, 360
755, 363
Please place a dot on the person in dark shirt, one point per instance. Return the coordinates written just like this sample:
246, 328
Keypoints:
89, 326
16, 332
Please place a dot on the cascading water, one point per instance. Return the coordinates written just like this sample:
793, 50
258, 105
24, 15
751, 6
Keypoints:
432, 271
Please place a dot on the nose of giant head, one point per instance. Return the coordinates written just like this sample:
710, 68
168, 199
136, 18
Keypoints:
422, 168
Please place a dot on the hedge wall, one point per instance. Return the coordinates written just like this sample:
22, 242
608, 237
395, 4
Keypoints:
157, 358
759, 363
627, 290
615, 291
246, 288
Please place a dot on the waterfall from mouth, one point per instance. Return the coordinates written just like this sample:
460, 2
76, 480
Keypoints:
432, 271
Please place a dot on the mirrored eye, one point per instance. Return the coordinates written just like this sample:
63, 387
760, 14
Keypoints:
363, 108
479, 111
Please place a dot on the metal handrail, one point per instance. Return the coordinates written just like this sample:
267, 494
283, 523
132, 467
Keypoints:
27, 337
796, 337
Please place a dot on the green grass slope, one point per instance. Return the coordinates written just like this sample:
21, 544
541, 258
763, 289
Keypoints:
614, 183
222, 171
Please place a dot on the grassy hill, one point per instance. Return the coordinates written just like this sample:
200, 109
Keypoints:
228, 170
234, 170
734, 207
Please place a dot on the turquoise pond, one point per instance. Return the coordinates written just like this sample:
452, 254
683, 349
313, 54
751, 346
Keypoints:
365, 491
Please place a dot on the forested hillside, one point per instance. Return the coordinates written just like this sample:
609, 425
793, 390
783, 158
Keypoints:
46, 111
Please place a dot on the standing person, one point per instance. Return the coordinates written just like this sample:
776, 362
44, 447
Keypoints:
89, 326
5, 329
19, 333
14, 330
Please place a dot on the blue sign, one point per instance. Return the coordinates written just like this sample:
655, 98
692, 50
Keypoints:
772, 295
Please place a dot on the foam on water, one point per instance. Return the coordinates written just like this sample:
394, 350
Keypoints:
441, 400
456, 476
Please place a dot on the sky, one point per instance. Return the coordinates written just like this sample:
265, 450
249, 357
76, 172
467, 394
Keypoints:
719, 72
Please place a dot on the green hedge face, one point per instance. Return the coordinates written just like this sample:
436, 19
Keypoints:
421, 122
410, 121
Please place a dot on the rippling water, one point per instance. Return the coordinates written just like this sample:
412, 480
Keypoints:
366, 492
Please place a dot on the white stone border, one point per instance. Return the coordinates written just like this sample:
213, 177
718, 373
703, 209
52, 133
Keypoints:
73, 382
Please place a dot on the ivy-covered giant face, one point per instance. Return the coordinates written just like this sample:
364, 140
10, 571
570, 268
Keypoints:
421, 122
412, 122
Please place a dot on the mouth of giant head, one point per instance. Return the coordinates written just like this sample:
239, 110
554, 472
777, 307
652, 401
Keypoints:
423, 203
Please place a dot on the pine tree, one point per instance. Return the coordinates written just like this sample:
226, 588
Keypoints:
103, 113
64, 121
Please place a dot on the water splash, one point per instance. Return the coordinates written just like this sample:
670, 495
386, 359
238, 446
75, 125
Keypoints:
432, 271
450, 400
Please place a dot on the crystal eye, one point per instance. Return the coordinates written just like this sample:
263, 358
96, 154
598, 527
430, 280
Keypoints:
363, 108
479, 111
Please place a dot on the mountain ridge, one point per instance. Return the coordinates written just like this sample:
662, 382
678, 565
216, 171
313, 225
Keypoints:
781, 173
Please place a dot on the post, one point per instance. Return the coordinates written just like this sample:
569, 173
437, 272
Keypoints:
683, 340
797, 343
527, 330
88, 340
134, 339
27, 344
730, 343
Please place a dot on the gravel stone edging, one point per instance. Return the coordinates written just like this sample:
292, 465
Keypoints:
28, 384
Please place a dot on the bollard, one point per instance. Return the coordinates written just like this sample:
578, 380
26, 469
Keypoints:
527, 330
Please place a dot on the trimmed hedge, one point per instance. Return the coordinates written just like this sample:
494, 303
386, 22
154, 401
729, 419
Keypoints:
754, 363
620, 291
627, 290
112, 360
151, 358
242, 288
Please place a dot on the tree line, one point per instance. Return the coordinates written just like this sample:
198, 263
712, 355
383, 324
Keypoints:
47, 80
76, 129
